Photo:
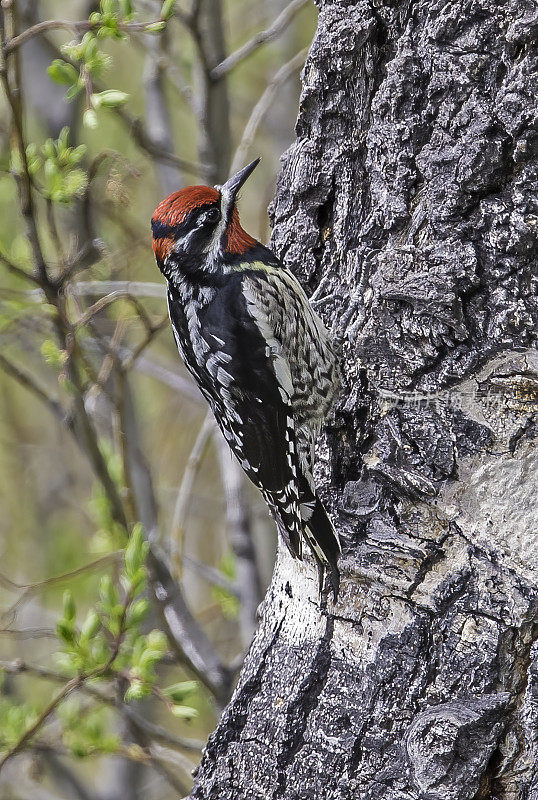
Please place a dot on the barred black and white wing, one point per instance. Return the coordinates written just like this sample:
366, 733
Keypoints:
283, 312
306, 369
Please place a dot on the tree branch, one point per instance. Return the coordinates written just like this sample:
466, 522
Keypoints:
76, 26
186, 636
177, 528
247, 583
28, 381
68, 689
279, 25
15, 270
262, 107
156, 732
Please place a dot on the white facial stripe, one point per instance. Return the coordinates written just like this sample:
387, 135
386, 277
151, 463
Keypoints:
225, 203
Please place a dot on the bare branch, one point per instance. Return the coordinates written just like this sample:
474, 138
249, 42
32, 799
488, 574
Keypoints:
15, 270
133, 288
247, 583
10, 78
212, 106
145, 141
279, 25
74, 26
177, 528
28, 633
263, 105
28, 590
110, 558
157, 113
186, 636
28, 381
211, 575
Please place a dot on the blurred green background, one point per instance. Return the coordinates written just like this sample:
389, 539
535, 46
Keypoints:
55, 528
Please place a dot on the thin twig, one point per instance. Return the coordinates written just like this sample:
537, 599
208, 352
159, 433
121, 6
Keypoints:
29, 633
156, 732
211, 575
177, 528
187, 638
145, 141
65, 576
247, 576
263, 105
15, 270
68, 689
184, 386
132, 288
27, 590
279, 25
75, 26
28, 381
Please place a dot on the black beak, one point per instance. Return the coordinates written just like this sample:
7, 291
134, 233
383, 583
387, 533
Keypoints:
232, 185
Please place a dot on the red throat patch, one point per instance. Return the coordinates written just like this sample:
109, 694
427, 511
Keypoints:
162, 247
238, 240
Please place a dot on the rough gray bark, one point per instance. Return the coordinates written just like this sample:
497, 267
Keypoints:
408, 205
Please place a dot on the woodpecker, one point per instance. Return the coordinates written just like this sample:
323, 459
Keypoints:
258, 351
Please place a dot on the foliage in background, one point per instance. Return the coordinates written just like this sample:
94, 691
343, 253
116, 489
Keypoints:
123, 622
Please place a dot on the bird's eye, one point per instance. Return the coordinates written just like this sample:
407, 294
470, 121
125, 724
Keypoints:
212, 215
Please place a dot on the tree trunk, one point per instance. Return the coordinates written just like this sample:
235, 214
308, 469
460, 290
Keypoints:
408, 205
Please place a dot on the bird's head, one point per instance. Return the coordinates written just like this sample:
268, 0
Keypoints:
198, 227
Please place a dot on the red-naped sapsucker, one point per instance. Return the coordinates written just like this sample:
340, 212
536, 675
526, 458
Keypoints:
258, 351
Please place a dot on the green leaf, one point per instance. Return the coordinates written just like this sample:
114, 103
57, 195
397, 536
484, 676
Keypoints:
108, 7
89, 119
74, 184
184, 712
167, 9
49, 149
77, 153
75, 89
53, 355
137, 691
65, 631
137, 612
127, 8
157, 640
156, 27
110, 98
179, 691
136, 551
108, 593
63, 139
70, 611
62, 72
90, 626
228, 601
16, 719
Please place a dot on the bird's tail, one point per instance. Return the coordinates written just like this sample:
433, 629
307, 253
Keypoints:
322, 538
304, 516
